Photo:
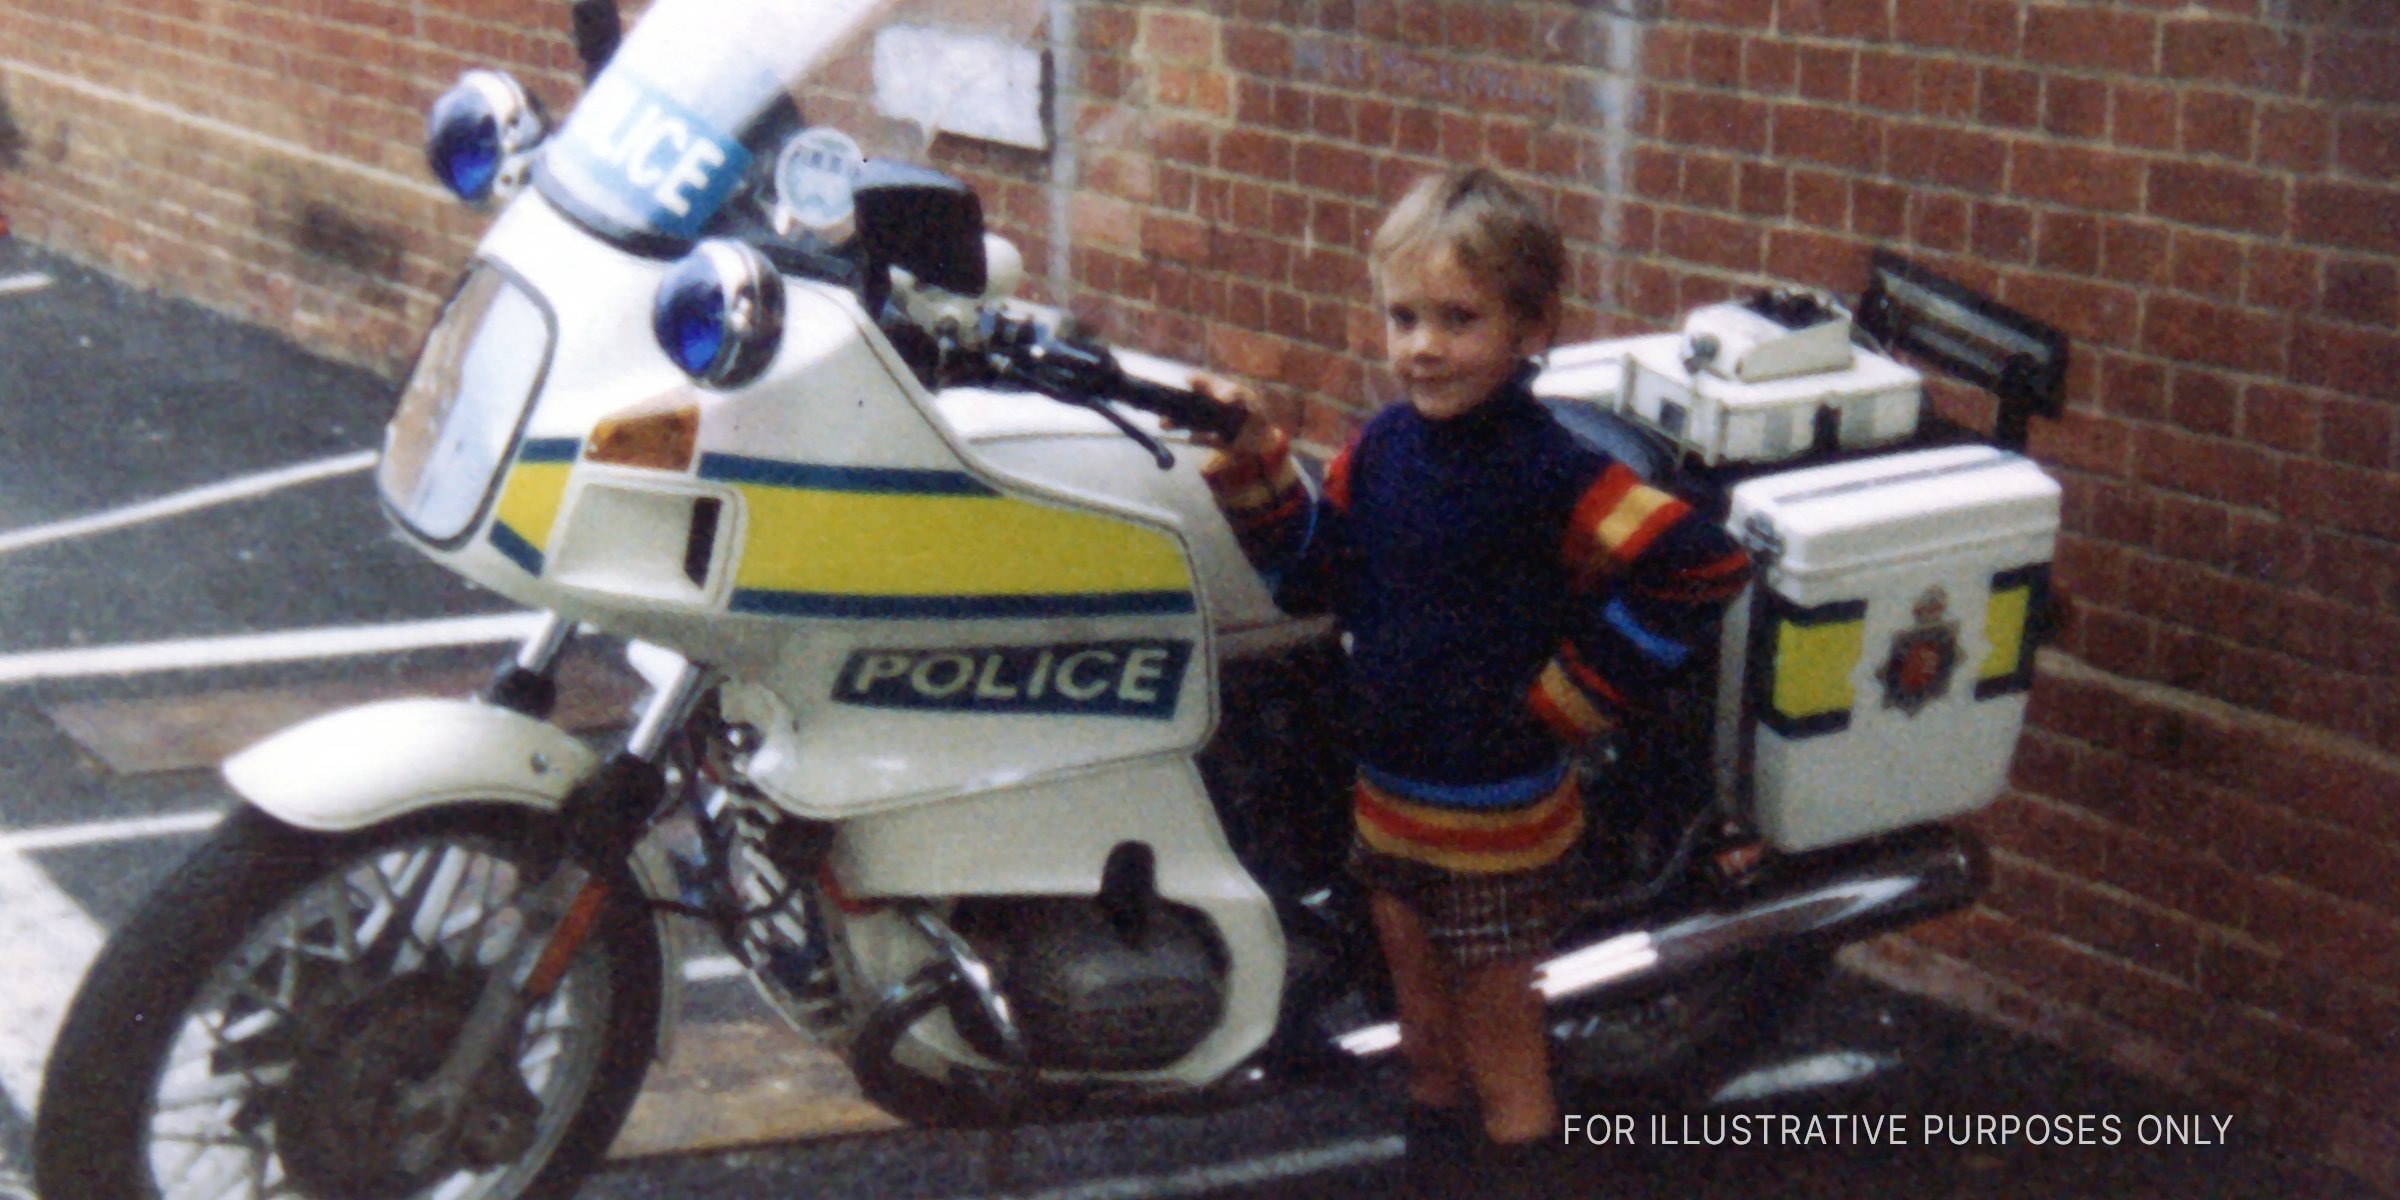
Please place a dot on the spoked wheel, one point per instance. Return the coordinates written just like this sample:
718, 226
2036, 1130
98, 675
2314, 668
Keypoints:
264, 1027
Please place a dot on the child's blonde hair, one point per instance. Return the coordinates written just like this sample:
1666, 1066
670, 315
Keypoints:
1495, 231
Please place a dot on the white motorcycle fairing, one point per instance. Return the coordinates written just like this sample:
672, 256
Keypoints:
360, 767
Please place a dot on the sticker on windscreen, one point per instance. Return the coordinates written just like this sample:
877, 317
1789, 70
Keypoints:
659, 164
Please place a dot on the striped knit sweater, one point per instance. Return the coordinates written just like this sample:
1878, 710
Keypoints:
1506, 589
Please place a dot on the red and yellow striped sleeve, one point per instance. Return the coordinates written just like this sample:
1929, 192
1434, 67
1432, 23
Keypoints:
1655, 577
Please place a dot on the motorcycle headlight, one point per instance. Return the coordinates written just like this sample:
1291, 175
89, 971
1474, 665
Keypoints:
474, 128
719, 313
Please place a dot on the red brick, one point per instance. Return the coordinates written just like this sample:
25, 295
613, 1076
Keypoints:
1716, 241
1260, 51
1821, 260
1715, 59
2239, 53
2073, 107
2348, 215
1744, 14
1854, 20
2363, 362
2206, 264
2362, 290
1765, 190
1657, 173
1821, 199
1984, 27
2223, 197
2361, 432
2294, 137
2281, 417
2077, 177
2218, 124
1887, 81
1878, 210
1827, 136
1179, 37
2010, 98
1828, 73
2098, 39
2368, 145
2144, 117
2203, 402
1769, 67
2198, 331
1937, 222
2344, 66
1708, 182
1717, 119
1948, 90
2068, 242
2003, 233
1965, 159
1254, 154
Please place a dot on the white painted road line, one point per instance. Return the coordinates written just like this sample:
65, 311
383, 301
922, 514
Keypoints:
1199, 1181
187, 501
97, 833
251, 649
30, 281
50, 941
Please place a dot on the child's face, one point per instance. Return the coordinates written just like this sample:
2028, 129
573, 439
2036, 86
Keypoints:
1448, 335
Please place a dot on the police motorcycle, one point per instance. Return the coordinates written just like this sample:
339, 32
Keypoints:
993, 760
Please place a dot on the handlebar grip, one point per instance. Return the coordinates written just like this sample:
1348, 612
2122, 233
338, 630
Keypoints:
1191, 410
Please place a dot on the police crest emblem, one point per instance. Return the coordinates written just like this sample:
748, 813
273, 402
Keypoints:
1923, 656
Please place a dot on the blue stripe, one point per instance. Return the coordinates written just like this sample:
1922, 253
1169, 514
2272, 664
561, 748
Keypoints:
1664, 651
519, 551
1097, 604
735, 468
1508, 793
549, 450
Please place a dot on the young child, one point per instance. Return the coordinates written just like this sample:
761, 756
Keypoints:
1507, 592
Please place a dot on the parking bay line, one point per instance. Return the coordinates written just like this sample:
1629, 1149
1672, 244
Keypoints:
190, 500
236, 650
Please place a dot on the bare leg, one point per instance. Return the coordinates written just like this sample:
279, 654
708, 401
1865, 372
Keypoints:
1505, 1053
1428, 1037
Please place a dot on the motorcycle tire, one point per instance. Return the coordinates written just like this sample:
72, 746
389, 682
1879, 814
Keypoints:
1679, 1044
247, 1028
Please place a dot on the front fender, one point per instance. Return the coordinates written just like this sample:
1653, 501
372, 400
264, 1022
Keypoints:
363, 766
359, 767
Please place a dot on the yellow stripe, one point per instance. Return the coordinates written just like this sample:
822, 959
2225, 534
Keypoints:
2004, 628
1813, 665
1627, 517
1540, 855
881, 544
1576, 707
529, 501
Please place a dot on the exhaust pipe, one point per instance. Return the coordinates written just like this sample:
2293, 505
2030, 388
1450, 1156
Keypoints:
1818, 900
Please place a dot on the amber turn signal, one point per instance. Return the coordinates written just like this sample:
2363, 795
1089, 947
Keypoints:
657, 436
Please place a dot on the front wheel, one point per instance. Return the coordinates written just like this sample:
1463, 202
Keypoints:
257, 1027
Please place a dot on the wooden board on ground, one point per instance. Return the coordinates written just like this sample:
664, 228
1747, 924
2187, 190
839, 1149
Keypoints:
743, 1084
177, 733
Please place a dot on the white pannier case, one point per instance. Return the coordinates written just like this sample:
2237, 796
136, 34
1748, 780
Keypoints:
1885, 654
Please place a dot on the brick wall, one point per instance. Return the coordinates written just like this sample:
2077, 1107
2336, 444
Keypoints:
2196, 864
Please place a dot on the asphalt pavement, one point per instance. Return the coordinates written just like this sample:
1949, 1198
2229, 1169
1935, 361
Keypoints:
147, 624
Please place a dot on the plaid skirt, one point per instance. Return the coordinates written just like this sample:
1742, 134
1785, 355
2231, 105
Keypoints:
1476, 920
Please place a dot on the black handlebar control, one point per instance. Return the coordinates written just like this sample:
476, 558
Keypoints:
1084, 373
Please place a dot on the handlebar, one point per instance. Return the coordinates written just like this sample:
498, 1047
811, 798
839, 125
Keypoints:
1085, 373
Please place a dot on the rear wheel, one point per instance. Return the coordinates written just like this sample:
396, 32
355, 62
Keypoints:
256, 1029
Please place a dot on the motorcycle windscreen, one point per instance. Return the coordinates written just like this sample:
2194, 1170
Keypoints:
655, 146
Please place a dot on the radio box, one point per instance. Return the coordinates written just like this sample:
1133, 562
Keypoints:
1886, 649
